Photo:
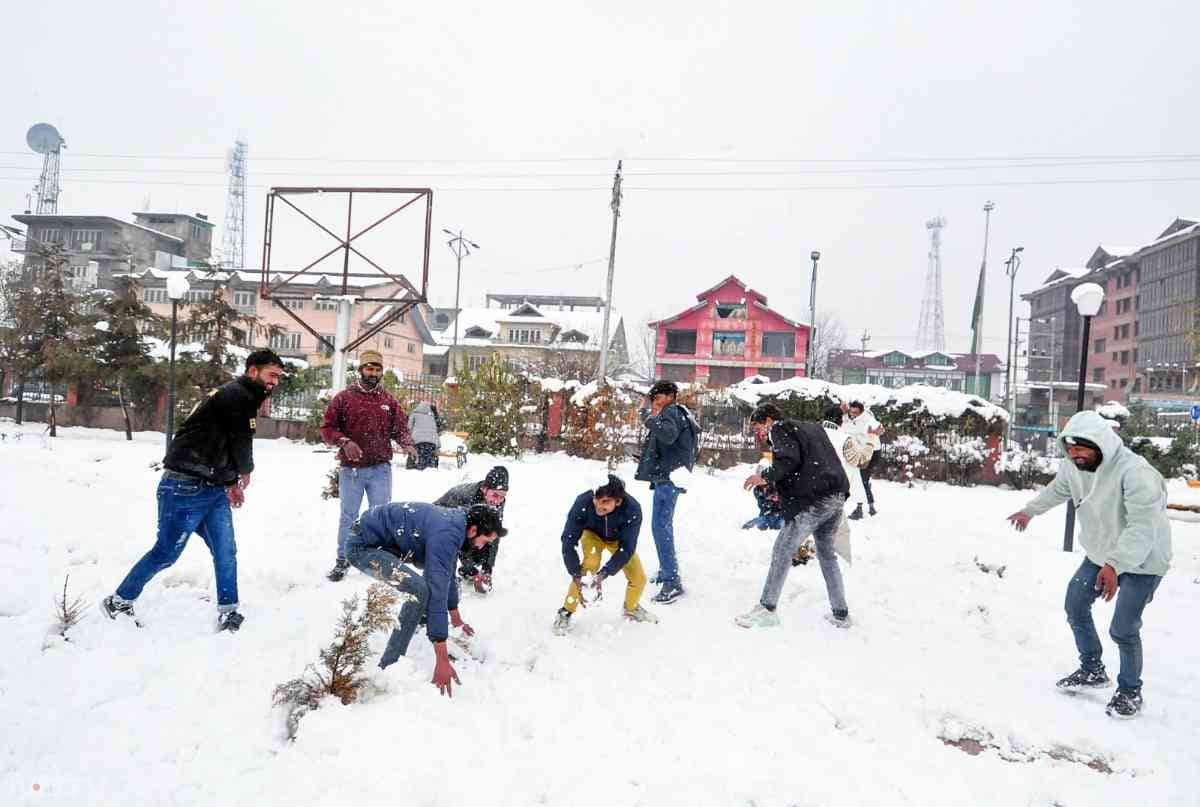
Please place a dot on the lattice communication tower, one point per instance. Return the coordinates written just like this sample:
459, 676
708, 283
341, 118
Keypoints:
931, 332
234, 244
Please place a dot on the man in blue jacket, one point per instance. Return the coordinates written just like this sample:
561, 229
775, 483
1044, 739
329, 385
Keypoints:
670, 444
388, 538
603, 519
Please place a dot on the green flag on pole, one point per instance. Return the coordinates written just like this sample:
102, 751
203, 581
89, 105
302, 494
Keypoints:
977, 311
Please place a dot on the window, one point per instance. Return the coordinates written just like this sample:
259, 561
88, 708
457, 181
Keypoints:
295, 305
198, 295
729, 343
412, 348
731, 310
90, 238
243, 299
675, 372
49, 235
1125, 357
1100, 344
1116, 332
780, 373
442, 319
779, 344
725, 376
154, 295
475, 362
1098, 375
1115, 355
681, 342
895, 359
286, 341
324, 305
199, 231
387, 342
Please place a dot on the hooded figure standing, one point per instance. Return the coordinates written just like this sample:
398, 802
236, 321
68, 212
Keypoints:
1121, 503
363, 421
423, 427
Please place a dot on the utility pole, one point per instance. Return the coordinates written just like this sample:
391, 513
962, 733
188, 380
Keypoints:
602, 373
865, 338
812, 317
461, 247
1010, 268
988, 207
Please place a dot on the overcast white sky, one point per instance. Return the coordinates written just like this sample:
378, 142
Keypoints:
845, 92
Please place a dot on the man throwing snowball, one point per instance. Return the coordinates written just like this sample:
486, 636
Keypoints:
603, 519
1121, 503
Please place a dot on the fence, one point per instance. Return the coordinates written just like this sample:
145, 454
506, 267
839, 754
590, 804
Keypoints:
300, 404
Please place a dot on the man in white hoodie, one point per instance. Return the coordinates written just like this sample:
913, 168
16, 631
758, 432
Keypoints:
1121, 504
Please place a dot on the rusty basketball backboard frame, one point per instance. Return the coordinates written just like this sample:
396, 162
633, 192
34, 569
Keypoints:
405, 198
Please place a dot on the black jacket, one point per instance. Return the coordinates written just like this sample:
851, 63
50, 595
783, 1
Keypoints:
214, 443
670, 444
806, 468
470, 559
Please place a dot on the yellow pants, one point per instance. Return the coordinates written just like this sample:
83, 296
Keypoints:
593, 548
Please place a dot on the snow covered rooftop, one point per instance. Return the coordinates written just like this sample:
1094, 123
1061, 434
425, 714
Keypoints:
935, 400
495, 322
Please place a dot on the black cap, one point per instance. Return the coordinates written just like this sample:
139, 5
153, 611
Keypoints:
496, 479
833, 414
1072, 440
663, 388
486, 520
764, 411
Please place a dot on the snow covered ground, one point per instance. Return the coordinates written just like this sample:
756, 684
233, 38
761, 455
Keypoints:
691, 711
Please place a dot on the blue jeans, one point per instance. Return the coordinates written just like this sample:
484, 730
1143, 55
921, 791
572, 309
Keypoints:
662, 525
414, 594
1134, 592
821, 521
375, 481
184, 507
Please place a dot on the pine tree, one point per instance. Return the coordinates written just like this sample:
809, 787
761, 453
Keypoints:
117, 340
487, 405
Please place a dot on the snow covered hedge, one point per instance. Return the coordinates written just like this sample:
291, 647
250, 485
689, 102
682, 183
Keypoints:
1026, 469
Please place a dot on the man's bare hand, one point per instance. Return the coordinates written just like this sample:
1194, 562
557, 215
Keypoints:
753, 481
1106, 583
1019, 521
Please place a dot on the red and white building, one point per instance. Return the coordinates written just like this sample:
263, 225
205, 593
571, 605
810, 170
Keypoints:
730, 335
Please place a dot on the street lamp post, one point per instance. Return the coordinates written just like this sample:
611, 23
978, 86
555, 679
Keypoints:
177, 289
988, 207
1010, 269
461, 247
811, 358
1087, 297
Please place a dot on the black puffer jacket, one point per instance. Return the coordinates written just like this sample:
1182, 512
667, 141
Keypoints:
215, 442
806, 468
470, 559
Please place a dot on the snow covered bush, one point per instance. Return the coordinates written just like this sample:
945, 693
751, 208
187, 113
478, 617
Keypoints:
341, 665
68, 610
1025, 469
598, 423
486, 404
963, 460
901, 459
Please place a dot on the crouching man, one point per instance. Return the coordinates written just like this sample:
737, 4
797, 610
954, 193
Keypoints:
392, 541
1122, 506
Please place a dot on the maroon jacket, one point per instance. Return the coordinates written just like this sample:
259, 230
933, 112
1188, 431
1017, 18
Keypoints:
371, 419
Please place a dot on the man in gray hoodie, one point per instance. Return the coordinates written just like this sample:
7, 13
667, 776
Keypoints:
1121, 504
423, 427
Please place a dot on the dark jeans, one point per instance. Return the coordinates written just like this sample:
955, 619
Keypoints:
662, 525
821, 522
865, 473
1134, 592
414, 594
186, 506
426, 456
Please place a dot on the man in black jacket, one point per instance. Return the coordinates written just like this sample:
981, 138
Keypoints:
807, 472
476, 563
208, 467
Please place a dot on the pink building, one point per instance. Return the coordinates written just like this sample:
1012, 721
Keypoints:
401, 342
731, 334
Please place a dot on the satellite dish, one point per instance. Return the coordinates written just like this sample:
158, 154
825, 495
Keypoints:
44, 138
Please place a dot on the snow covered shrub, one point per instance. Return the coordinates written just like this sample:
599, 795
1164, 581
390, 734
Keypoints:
316, 414
598, 423
67, 611
340, 671
901, 459
1025, 469
486, 404
963, 460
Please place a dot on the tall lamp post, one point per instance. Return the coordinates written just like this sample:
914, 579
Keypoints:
177, 289
811, 363
461, 247
1010, 269
1087, 298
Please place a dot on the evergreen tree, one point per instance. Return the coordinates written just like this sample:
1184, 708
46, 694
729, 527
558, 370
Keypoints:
487, 404
121, 352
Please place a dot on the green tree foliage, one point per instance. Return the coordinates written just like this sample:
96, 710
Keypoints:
117, 342
486, 404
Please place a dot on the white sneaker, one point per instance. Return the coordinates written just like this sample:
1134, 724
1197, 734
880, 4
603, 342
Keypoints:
640, 614
839, 621
758, 617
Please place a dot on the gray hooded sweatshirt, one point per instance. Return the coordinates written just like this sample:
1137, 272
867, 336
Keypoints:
421, 424
1122, 505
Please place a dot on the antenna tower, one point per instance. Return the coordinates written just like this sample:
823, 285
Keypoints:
234, 244
45, 140
931, 332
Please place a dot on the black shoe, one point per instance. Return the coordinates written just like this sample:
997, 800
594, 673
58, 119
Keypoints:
338, 571
857, 514
112, 609
871, 510
230, 621
669, 593
1082, 678
1124, 703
